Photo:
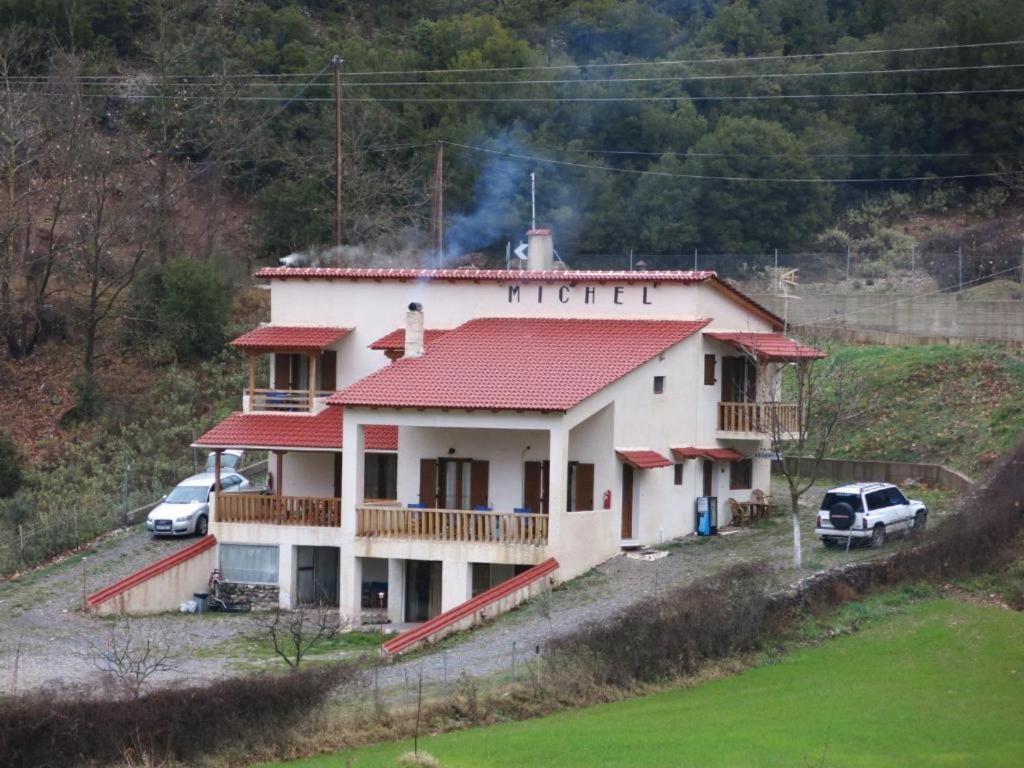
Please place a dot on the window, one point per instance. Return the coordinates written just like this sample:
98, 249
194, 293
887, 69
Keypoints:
877, 499
659, 384
580, 487
895, 497
709, 370
249, 563
741, 474
678, 468
381, 476
832, 498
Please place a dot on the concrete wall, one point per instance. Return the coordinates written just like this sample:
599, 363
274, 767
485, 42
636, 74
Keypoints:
914, 315
307, 473
895, 472
166, 591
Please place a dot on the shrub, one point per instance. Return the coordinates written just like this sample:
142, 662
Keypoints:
181, 724
179, 310
10, 466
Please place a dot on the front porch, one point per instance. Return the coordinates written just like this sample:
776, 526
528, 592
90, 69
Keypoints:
456, 525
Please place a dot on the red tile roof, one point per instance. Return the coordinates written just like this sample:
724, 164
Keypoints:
395, 341
292, 430
533, 364
276, 338
643, 458
487, 275
715, 454
769, 346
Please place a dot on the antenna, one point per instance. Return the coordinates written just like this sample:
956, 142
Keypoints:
533, 200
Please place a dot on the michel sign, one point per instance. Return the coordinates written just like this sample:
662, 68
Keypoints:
585, 294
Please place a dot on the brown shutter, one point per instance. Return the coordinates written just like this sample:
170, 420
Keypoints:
531, 485
337, 475
328, 368
478, 483
729, 392
282, 371
709, 369
428, 482
585, 487
546, 480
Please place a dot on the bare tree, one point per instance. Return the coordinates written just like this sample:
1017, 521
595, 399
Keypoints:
824, 393
133, 655
293, 634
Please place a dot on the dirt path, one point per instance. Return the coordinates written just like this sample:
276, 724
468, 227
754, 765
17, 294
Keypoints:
41, 612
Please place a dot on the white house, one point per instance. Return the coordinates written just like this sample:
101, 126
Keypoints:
492, 419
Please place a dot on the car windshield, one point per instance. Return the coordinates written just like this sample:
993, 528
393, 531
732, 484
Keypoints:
188, 494
832, 498
227, 461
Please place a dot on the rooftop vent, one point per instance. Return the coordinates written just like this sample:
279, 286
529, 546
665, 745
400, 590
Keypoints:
540, 254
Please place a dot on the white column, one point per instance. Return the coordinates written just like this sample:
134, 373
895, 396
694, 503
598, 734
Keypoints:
558, 454
456, 584
350, 588
286, 577
396, 590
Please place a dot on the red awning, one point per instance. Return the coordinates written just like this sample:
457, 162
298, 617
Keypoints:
643, 458
289, 338
715, 454
769, 347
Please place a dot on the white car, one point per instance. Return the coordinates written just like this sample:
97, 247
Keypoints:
186, 509
868, 511
229, 459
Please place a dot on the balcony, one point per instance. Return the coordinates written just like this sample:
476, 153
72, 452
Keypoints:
284, 400
278, 510
458, 525
759, 418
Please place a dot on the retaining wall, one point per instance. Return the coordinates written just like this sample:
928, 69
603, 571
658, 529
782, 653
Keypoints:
895, 472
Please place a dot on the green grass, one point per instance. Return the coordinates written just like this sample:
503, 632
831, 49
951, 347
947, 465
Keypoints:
958, 406
935, 683
995, 290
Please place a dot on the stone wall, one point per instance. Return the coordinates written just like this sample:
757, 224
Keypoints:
262, 597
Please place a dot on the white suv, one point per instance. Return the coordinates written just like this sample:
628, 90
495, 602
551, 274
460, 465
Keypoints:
868, 511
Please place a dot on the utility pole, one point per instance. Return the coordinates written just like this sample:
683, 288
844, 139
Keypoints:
847, 262
533, 200
694, 259
960, 267
437, 216
339, 227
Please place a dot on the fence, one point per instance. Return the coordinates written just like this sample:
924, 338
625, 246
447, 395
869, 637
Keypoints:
896, 472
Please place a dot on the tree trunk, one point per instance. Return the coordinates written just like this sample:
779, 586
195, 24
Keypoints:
797, 558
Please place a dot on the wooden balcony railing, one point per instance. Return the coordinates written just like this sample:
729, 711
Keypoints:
394, 522
761, 418
278, 510
283, 399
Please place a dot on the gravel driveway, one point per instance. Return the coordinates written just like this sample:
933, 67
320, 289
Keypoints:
41, 612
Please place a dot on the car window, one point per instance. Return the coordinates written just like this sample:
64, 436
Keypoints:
832, 498
895, 497
187, 494
877, 499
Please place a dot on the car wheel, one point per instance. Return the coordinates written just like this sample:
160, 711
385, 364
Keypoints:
920, 521
878, 536
828, 541
201, 526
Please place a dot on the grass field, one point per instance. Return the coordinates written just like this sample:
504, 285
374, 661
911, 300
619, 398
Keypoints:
940, 683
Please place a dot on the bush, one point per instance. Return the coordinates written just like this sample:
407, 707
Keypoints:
10, 466
179, 310
180, 724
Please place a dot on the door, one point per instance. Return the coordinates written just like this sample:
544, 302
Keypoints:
453, 483
422, 589
627, 501
428, 482
708, 476
536, 482
327, 371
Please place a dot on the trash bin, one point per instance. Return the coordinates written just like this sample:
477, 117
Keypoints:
200, 598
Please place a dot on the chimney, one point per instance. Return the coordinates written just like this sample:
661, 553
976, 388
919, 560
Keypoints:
414, 330
540, 250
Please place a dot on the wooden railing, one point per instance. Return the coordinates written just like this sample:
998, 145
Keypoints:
283, 399
763, 418
394, 522
277, 510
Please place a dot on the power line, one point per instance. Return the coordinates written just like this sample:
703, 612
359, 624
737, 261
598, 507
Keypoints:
553, 99
896, 155
184, 83
702, 177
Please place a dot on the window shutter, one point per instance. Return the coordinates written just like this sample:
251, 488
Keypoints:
709, 369
428, 482
282, 371
478, 483
585, 487
327, 367
531, 485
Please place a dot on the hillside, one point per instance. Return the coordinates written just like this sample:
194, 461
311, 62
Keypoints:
959, 406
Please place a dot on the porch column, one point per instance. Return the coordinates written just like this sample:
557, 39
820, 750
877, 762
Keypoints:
558, 453
279, 473
456, 584
286, 577
396, 590
312, 381
350, 588
252, 382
